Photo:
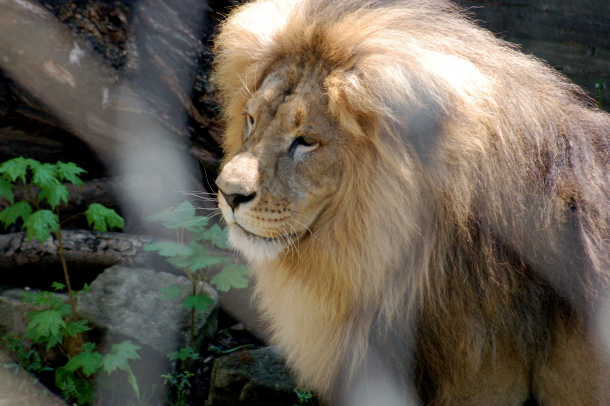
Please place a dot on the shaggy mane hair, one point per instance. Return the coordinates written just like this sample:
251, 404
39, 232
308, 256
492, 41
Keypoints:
472, 224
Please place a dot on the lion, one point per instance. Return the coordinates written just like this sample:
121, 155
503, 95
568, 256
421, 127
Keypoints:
425, 208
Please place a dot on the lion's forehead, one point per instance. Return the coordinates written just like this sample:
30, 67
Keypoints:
286, 81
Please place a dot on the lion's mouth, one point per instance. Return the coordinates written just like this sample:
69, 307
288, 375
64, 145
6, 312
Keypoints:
253, 236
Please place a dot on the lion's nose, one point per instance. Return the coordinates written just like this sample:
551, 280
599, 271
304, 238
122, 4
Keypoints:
236, 199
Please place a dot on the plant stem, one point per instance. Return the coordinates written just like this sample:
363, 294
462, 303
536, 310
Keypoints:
192, 332
34, 199
64, 265
71, 217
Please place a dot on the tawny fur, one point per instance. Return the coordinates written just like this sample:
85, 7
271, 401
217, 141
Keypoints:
467, 243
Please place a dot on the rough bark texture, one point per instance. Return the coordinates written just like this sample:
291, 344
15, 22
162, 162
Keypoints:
111, 62
35, 264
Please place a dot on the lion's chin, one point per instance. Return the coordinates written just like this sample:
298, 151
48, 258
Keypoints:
256, 249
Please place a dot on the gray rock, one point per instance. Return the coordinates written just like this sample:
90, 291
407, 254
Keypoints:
252, 378
13, 312
127, 302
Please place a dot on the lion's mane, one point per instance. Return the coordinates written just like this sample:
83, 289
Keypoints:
472, 223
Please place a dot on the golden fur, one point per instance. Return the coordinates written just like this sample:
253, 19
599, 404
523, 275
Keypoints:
426, 209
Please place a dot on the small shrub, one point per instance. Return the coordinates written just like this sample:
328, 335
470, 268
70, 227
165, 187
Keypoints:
54, 322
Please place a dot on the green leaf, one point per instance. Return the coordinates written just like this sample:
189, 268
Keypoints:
169, 249
44, 176
216, 235
45, 326
198, 302
73, 386
182, 216
180, 262
86, 288
73, 328
89, 361
15, 169
69, 172
54, 194
47, 300
205, 261
183, 354
32, 163
58, 286
231, 276
103, 218
119, 355
10, 214
6, 190
201, 258
171, 292
40, 225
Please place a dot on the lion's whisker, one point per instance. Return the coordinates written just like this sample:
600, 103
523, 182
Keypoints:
245, 86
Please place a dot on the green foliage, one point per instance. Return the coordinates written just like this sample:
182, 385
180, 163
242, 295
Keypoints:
216, 236
169, 249
304, 396
52, 324
27, 359
101, 218
16, 169
69, 172
46, 326
197, 302
180, 384
47, 300
88, 360
119, 356
54, 321
194, 258
232, 276
197, 263
183, 354
54, 194
72, 378
40, 224
43, 184
10, 215
183, 216
6, 190
57, 287
74, 386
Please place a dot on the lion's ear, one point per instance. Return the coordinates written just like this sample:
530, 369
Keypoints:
351, 103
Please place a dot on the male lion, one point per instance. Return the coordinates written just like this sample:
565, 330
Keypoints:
426, 210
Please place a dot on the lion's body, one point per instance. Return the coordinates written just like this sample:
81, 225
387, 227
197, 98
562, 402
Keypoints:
424, 207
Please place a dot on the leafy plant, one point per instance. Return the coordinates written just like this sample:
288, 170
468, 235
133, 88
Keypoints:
28, 359
43, 184
195, 259
189, 254
179, 383
74, 378
54, 322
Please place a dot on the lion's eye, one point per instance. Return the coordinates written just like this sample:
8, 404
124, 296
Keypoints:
302, 144
249, 127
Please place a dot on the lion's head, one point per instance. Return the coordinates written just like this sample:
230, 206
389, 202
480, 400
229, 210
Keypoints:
401, 178
288, 168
